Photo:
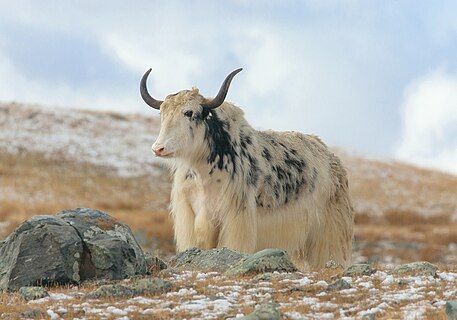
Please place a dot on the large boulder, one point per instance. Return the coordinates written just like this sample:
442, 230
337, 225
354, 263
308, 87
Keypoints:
69, 247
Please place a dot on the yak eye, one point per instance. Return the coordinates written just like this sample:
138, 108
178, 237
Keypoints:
188, 113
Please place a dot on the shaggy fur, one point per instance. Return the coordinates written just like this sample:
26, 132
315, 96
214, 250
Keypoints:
248, 190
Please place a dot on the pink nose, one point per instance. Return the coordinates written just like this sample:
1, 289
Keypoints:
159, 151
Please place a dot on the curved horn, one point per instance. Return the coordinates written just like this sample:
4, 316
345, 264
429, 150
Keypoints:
150, 101
219, 99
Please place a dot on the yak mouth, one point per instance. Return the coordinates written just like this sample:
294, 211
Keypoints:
165, 155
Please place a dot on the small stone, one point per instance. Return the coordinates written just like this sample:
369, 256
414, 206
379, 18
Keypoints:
137, 287
264, 277
358, 270
33, 293
32, 314
150, 286
111, 290
369, 316
423, 268
451, 310
266, 311
339, 284
267, 260
154, 264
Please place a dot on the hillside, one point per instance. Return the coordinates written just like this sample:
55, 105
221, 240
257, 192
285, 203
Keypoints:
53, 159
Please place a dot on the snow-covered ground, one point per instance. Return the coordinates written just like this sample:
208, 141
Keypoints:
117, 141
212, 296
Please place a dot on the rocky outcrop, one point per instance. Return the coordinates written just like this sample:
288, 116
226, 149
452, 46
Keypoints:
267, 260
358, 270
266, 311
220, 259
231, 262
32, 293
69, 247
421, 268
339, 284
451, 310
138, 287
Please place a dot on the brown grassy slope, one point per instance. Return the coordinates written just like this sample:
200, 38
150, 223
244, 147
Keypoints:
61, 159
32, 184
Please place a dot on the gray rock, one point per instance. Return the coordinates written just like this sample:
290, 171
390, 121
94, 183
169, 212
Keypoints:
137, 287
416, 268
266, 311
358, 270
267, 260
451, 310
41, 251
111, 290
154, 264
150, 286
220, 259
32, 314
339, 284
111, 251
32, 293
268, 276
69, 247
369, 316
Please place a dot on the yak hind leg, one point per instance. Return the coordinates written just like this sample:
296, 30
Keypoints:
329, 241
239, 231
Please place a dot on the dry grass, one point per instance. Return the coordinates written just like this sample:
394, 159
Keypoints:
31, 184
287, 290
412, 212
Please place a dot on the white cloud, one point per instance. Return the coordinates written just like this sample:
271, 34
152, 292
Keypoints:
429, 114
329, 68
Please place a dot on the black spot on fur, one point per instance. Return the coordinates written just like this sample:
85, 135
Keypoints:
294, 162
219, 142
266, 154
276, 190
253, 173
280, 173
204, 114
189, 174
258, 202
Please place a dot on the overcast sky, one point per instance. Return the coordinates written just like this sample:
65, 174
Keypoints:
375, 77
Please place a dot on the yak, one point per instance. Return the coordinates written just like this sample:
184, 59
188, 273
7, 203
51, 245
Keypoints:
245, 189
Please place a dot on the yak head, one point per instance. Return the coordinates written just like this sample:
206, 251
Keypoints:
184, 119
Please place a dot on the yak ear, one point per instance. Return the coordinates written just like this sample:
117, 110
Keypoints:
205, 113
219, 99
150, 101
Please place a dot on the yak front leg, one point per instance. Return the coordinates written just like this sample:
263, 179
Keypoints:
183, 222
205, 231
